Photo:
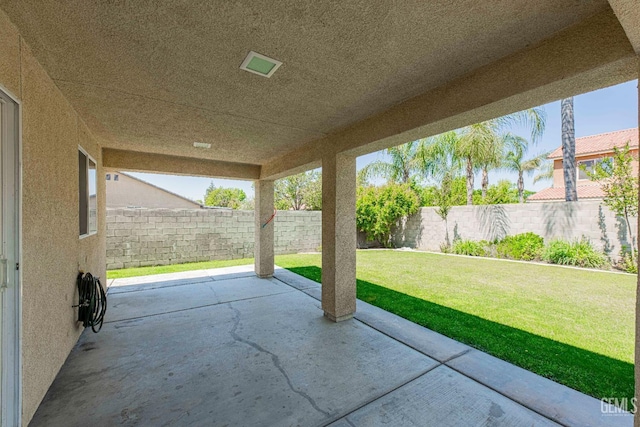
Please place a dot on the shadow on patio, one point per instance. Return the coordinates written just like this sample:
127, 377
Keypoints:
222, 347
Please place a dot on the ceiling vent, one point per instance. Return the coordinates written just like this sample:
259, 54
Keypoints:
260, 64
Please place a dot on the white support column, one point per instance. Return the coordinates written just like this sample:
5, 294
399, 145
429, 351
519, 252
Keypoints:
263, 249
339, 237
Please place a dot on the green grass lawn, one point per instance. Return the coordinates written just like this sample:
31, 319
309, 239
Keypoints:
573, 326
161, 269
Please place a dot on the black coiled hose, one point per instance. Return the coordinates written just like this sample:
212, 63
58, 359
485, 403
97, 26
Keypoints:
92, 304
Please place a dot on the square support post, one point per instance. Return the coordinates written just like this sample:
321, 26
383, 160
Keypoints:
339, 237
263, 248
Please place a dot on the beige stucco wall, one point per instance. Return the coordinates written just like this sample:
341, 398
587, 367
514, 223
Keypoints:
127, 192
52, 252
558, 177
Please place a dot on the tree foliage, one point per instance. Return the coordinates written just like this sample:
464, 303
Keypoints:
515, 162
299, 192
432, 195
545, 171
482, 145
403, 163
224, 197
479, 147
620, 187
378, 209
503, 192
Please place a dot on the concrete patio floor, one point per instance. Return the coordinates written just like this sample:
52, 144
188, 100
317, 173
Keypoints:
224, 348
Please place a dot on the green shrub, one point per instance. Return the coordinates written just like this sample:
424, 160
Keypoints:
445, 248
378, 209
525, 246
469, 247
579, 253
628, 264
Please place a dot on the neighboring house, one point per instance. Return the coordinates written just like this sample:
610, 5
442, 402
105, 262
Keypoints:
589, 151
125, 191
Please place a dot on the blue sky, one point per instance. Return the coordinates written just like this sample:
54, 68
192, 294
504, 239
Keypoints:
604, 110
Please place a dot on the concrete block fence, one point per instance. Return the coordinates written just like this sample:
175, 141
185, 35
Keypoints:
142, 237
566, 220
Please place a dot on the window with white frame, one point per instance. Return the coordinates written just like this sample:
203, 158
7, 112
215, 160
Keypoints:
88, 194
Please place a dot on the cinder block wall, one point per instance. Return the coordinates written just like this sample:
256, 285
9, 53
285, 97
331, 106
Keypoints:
567, 220
141, 237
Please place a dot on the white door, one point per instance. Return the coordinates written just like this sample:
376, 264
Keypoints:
10, 315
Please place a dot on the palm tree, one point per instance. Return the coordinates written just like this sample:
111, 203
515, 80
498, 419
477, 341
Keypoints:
438, 160
546, 171
533, 118
515, 162
482, 145
402, 164
478, 146
438, 157
568, 150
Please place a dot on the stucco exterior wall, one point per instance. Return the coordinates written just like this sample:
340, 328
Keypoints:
140, 237
567, 220
129, 192
558, 174
52, 252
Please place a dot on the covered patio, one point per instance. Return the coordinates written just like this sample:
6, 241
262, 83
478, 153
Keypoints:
88, 88
222, 347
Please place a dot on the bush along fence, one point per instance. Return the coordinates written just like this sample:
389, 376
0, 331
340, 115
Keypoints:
141, 237
584, 233
531, 247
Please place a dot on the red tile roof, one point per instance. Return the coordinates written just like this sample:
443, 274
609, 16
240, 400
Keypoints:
557, 193
601, 143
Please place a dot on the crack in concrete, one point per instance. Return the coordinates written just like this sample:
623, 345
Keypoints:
215, 294
274, 358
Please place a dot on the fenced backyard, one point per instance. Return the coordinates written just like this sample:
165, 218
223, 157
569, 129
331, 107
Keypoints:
573, 326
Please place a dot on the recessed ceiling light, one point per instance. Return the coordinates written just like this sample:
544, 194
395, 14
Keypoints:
260, 64
202, 145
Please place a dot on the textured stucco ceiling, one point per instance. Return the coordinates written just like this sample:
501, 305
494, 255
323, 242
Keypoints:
157, 76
